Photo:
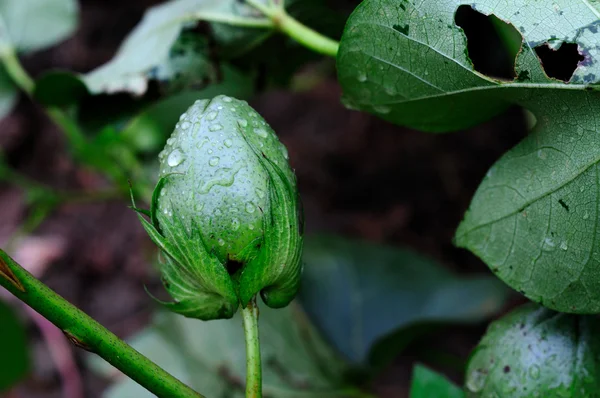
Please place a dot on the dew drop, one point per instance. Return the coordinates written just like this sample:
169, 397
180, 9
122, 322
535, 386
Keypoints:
214, 161
284, 152
175, 158
209, 151
218, 212
548, 244
250, 208
223, 177
251, 227
261, 133
382, 109
586, 215
541, 154
170, 141
362, 77
243, 122
475, 381
185, 125
235, 224
390, 90
534, 372
260, 193
215, 127
183, 116
228, 143
564, 245
166, 211
221, 242
163, 192
219, 107
211, 116
227, 99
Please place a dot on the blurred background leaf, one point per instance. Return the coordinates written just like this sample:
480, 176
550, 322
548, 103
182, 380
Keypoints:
14, 354
32, 25
210, 356
59, 88
36, 24
428, 384
358, 293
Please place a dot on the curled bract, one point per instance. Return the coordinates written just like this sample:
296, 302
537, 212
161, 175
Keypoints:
225, 212
537, 352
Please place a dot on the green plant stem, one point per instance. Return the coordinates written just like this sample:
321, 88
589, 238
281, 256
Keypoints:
296, 30
86, 333
253, 365
16, 71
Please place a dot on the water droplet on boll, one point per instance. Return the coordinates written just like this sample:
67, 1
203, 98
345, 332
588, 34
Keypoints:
175, 158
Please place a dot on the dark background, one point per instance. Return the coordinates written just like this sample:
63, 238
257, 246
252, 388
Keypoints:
358, 176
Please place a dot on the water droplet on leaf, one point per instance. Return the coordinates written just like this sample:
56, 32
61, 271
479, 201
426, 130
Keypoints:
261, 133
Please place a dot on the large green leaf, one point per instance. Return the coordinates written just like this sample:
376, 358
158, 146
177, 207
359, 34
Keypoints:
535, 216
427, 384
534, 352
210, 356
29, 25
357, 293
148, 50
14, 357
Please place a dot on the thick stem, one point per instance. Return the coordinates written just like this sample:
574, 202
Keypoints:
253, 365
86, 333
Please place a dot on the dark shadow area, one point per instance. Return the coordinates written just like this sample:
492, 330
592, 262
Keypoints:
561, 63
492, 44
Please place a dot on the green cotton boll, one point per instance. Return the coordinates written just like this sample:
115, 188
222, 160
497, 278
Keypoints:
225, 212
534, 352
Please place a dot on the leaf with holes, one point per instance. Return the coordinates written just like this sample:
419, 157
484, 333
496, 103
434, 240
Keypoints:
210, 356
155, 49
358, 293
535, 217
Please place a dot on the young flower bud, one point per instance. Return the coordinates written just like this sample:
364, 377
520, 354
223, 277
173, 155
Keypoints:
225, 212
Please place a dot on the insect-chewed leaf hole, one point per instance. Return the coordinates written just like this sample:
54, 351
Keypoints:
559, 63
492, 44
